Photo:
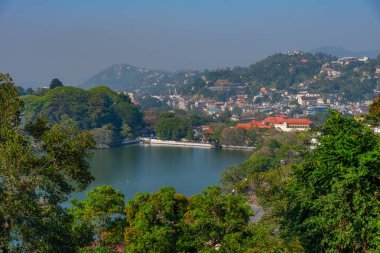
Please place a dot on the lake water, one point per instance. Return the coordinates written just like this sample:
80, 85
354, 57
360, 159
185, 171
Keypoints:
138, 168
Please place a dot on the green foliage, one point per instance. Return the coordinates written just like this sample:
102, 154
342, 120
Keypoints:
55, 83
232, 136
9, 103
355, 83
38, 128
99, 109
224, 74
36, 180
225, 116
171, 127
130, 115
105, 136
101, 216
333, 199
273, 150
326, 200
97, 249
282, 71
374, 112
198, 120
151, 102
169, 222
215, 221
153, 221
217, 129
234, 178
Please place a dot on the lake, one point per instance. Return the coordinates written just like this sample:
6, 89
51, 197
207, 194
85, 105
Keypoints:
139, 168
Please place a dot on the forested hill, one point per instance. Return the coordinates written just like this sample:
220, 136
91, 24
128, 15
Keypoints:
125, 77
354, 78
277, 71
108, 115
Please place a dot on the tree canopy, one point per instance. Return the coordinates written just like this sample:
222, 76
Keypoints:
170, 222
36, 177
99, 109
333, 200
55, 83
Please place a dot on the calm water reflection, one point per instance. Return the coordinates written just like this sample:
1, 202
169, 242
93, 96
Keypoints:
136, 168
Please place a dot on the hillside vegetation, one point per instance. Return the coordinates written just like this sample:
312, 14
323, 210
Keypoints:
108, 115
318, 190
354, 80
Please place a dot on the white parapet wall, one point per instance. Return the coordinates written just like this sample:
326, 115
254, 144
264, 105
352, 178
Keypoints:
176, 143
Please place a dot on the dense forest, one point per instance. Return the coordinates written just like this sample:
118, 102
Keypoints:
319, 191
110, 116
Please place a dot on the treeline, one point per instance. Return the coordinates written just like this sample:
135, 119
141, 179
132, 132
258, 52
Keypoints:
320, 190
110, 116
164, 221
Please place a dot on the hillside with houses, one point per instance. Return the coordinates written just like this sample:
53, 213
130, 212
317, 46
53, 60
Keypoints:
293, 83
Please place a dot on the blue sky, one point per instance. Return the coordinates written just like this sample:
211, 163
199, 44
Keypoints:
74, 39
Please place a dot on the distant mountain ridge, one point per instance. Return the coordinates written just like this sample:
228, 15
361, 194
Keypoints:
341, 52
124, 76
292, 70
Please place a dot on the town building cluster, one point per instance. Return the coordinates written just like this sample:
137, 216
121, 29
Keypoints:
267, 102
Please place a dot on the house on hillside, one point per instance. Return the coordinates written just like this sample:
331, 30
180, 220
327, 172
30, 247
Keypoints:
306, 101
280, 123
294, 124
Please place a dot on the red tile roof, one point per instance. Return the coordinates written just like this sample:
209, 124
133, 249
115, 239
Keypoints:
299, 121
268, 122
274, 120
245, 126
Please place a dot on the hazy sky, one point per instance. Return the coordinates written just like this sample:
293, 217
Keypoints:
75, 39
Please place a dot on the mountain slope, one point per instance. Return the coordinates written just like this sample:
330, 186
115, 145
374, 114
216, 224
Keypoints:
125, 77
341, 52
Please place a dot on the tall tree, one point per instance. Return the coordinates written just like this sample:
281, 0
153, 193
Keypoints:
36, 179
55, 83
170, 222
334, 197
101, 215
215, 221
153, 221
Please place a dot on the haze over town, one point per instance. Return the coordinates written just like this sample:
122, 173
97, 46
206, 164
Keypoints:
73, 40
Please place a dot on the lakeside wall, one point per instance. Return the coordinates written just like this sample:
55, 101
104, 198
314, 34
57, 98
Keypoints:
149, 141
237, 147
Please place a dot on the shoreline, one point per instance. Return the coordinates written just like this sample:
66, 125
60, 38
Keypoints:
158, 142
169, 143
